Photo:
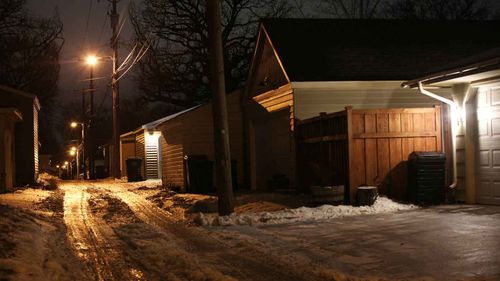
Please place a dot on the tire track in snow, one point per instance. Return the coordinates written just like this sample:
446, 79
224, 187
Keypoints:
93, 240
230, 261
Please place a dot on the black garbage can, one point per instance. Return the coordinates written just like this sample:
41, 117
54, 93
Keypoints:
200, 174
426, 177
134, 169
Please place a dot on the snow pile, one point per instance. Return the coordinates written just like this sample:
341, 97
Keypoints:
48, 181
324, 212
147, 183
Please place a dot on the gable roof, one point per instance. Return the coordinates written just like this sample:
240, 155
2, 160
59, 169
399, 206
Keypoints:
154, 124
9, 90
380, 49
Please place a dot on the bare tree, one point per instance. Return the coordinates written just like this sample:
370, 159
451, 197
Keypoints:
30, 48
352, 8
175, 70
438, 9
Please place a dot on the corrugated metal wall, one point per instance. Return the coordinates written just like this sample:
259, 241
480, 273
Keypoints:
140, 151
152, 155
35, 141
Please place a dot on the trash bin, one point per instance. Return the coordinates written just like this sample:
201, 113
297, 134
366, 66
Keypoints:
200, 174
426, 177
134, 169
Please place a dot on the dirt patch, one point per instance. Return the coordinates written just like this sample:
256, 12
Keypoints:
54, 203
7, 247
184, 206
112, 209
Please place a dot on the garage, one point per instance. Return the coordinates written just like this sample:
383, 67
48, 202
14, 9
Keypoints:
475, 106
488, 114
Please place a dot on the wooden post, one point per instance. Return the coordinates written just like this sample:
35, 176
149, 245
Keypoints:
351, 190
115, 94
223, 178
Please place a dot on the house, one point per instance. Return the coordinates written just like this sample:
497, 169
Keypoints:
304, 67
187, 146
8, 118
475, 85
20, 105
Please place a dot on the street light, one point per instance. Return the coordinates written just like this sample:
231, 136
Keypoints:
74, 124
91, 61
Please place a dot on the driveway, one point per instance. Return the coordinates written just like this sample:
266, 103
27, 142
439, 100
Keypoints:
459, 242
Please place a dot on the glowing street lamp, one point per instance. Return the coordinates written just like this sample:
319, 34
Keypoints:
75, 124
91, 60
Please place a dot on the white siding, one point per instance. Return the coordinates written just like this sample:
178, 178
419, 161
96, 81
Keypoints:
35, 142
311, 98
152, 155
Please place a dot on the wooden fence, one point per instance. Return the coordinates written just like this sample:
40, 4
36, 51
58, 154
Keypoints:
358, 147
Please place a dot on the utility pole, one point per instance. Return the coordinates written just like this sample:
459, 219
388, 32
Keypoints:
116, 97
90, 136
223, 178
83, 121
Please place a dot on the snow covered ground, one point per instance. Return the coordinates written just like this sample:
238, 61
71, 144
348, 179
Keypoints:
302, 214
114, 230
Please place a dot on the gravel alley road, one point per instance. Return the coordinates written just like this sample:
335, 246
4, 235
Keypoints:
112, 230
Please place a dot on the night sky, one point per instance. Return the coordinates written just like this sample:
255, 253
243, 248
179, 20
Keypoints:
80, 40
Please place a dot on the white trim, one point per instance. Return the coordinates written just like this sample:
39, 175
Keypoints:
348, 85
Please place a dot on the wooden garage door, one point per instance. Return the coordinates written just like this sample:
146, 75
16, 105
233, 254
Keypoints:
488, 112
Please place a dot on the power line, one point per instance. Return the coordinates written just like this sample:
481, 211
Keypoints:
87, 24
103, 24
139, 56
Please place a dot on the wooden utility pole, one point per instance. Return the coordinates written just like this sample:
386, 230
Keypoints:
90, 135
116, 97
223, 178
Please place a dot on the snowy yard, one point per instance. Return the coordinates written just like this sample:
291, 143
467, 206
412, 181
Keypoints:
113, 230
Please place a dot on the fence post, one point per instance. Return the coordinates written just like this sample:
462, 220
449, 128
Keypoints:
350, 187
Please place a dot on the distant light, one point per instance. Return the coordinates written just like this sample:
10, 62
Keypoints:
91, 60
66, 163
57, 166
73, 148
73, 124
72, 152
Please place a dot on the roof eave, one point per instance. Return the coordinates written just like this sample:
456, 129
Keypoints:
453, 73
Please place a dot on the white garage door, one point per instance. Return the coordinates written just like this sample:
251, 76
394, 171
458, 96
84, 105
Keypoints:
488, 101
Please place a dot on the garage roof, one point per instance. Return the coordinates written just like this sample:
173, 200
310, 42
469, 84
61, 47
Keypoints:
364, 50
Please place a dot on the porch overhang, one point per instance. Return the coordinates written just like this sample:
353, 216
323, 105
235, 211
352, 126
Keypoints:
276, 99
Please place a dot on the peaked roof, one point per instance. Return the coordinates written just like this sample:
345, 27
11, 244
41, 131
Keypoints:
152, 125
9, 90
381, 49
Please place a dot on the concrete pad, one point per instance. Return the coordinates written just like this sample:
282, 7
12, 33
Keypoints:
454, 242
